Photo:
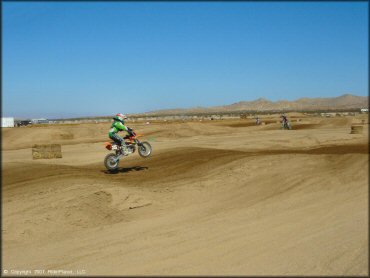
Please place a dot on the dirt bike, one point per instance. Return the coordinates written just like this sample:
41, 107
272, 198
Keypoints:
286, 125
111, 160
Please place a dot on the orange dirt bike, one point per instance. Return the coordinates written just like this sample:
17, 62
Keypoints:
111, 160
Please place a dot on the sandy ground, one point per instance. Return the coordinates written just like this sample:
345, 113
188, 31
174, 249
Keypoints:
215, 198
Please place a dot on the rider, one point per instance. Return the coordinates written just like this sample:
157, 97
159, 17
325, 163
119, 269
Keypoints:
117, 126
284, 119
258, 121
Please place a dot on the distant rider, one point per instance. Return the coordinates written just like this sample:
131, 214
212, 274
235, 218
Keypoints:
258, 121
284, 119
117, 126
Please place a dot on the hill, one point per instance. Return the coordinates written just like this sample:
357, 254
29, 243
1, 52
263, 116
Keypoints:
346, 101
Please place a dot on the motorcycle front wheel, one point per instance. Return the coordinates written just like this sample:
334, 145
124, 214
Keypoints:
145, 149
111, 162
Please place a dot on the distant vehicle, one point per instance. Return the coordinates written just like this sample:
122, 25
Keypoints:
40, 121
364, 110
23, 123
7, 122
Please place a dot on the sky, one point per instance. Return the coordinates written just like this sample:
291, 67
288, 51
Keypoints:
72, 59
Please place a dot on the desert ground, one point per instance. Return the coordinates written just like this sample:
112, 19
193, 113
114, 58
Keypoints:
221, 197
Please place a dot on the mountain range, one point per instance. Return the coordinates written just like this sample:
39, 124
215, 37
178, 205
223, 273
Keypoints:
346, 101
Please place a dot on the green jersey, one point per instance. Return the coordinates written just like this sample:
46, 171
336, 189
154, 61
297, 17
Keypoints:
117, 127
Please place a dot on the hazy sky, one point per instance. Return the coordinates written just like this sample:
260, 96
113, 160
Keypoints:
84, 59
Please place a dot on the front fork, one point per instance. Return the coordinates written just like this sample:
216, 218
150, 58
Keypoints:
118, 157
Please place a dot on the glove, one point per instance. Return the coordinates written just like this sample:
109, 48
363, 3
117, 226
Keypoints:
130, 131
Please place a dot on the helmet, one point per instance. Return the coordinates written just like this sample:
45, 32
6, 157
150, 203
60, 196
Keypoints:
120, 117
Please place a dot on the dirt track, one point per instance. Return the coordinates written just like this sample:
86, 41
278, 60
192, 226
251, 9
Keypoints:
215, 198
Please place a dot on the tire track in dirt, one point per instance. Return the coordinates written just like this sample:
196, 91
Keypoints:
324, 150
305, 126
